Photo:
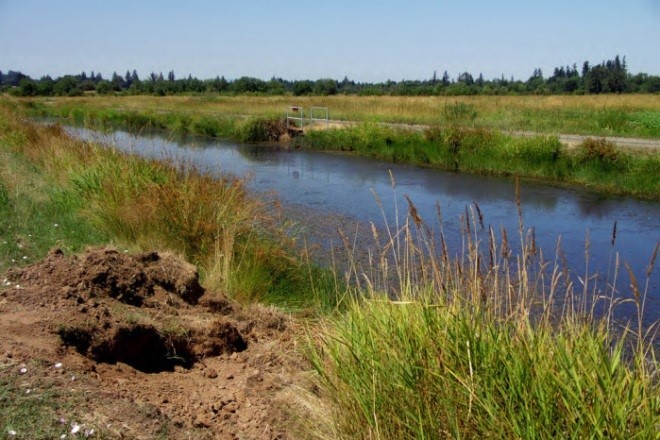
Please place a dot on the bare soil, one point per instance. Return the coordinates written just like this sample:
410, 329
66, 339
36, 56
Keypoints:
151, 353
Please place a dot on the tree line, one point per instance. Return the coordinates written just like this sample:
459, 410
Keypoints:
610, 76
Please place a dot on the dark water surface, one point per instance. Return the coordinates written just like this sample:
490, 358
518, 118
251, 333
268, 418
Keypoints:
337, 184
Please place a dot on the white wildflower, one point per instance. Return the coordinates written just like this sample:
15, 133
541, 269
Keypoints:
75, 428
23, 370
58, 365
11, 433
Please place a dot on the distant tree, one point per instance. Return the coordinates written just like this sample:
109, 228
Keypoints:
27, 87
466, 78
585, 68
117, 81
87, 85
535, 83
346, 85
434, 80
617, 77
276, 86
103, 87
445, 79
220, 84
45, 86
480, 80
66, 86
134, 76
12, 78
325, 87
595, 80
652, 84
248, 84
301, 88
170, 75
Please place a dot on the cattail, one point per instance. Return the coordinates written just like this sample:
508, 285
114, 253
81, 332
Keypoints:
633, 282
614, 233
413, 212
649, 269
493, 247
481, 217
505, 244
467, 221
374, 231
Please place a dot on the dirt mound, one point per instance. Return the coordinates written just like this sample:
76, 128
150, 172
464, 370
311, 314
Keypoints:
109, 273
142, 331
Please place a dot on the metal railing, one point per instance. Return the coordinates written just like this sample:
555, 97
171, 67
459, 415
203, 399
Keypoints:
296, 120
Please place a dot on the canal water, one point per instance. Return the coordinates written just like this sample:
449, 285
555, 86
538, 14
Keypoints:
334, 184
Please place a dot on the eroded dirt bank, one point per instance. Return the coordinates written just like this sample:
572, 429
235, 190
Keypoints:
143, 351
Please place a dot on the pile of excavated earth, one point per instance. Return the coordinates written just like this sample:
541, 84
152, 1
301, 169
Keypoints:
144, 351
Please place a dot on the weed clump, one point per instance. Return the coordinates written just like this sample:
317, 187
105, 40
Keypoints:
599, 149
460, 113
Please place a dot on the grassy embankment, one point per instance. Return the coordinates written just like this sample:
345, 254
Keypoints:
465, 137
95, 194
459, 354
595, 163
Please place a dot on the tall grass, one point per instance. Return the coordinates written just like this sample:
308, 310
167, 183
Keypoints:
235, 239
240, 127
597, 115
484, 345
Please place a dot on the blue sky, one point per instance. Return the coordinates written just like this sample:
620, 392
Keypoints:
366, 40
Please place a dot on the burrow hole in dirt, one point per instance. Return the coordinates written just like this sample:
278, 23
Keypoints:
146, 349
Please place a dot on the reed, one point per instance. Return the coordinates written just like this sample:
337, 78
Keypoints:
488, 344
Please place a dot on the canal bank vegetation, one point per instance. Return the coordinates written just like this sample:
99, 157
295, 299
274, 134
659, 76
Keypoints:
594, 163
95, 193
421, 345
488, 345
457, 141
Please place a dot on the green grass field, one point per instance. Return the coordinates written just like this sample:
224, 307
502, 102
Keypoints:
597, 115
